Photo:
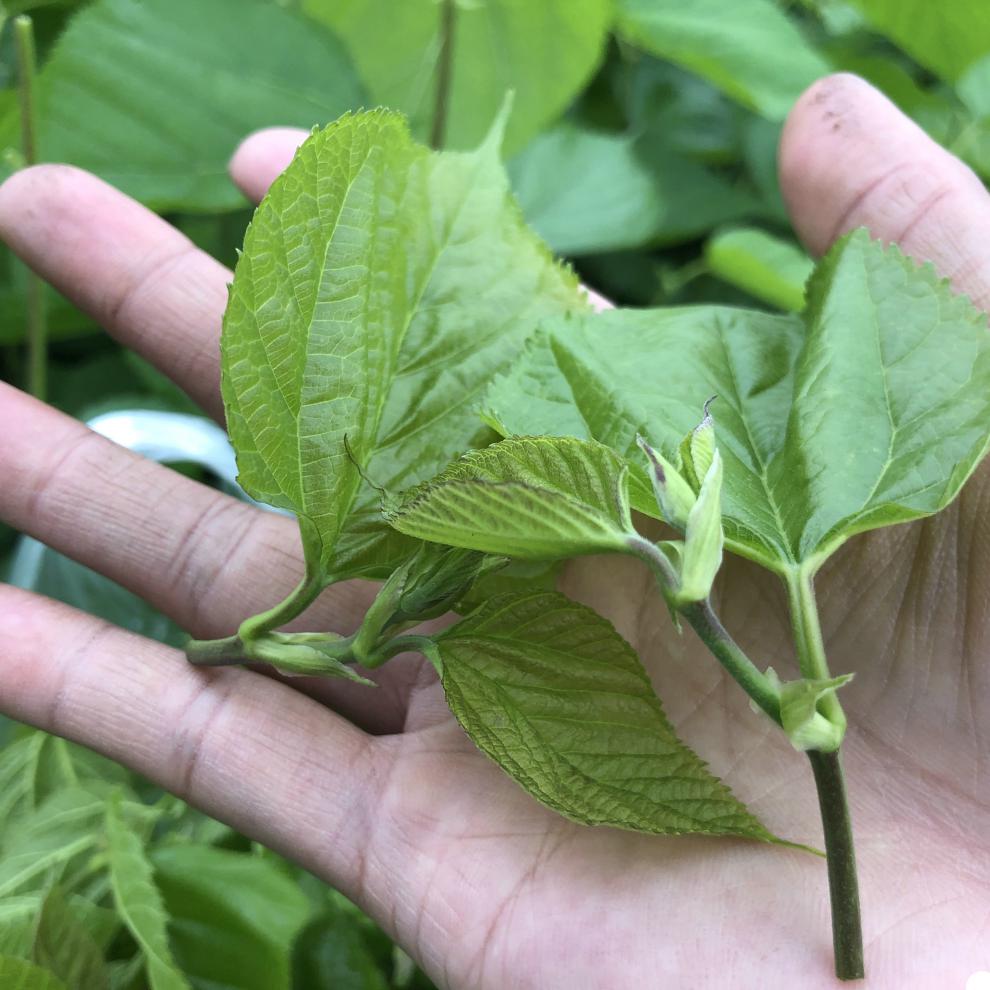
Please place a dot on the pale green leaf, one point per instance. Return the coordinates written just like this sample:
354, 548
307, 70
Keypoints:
560, 701
233, 917
155, 95
381, 287
872, 409
63, 945
532, 498
750, 49
587, 191
769, 268
19, 974
139, 901
947, 36
543, 52
18, 918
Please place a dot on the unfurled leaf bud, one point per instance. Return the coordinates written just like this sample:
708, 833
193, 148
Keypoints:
703, 538
674, 495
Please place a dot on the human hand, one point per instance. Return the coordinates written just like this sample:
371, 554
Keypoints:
380, 792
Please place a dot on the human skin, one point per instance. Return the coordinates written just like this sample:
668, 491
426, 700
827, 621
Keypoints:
381, 793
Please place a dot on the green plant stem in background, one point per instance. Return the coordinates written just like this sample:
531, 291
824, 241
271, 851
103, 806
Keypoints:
445, 65
847, 931
37, 331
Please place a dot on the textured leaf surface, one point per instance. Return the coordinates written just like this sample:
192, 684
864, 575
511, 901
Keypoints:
872, 410
19, 974
750, 49
559, 700
124, 94
544, 52
944, 37
63, 945
532, 498
586, 191
381, 287
765, 266
139, 901
233, 917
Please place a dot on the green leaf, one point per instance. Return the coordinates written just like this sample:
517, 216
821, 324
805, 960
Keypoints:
533, 498
873, 409
769, 268
381, 287
552, 693
18, 920
749, 49
232, 917
944, 37
19, 974
63, 945
703, 538
544, 52
139, 901
805, 726
585, 191
332, 953
155, 95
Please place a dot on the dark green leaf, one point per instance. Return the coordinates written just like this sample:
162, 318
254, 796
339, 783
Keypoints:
332, 953
749, 48
155, 95
560, 701
19, 974
233, 917
543, 52
63, 945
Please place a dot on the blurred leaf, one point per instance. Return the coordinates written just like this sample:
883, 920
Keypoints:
542, 51
139, 901
18, 919
973, 88
332, 954
767, 267
946, 36
233, 916
63, 945
123, 92
19, 974
750, 49
585, 192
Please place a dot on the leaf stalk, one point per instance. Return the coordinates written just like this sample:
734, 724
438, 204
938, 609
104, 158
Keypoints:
445, 69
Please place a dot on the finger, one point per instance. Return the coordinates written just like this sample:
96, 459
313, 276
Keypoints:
203, 558
135, 274
243, 748
850, 158
262, 156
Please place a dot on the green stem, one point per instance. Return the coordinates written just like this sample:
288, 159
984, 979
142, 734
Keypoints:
215, 652
37, 330
713, 634
401, 644
808, 639
445, 65
847, 932
302, 596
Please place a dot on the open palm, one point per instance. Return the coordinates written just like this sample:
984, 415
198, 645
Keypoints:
381, 793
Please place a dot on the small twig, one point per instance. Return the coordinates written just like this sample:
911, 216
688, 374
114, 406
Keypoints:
445, 65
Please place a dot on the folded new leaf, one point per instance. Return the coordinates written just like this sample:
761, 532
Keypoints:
529, 497
551, 692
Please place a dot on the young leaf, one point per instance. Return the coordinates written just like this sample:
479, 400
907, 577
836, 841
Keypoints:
873, 408
19, 974
718, 41
528, 497
544, 53
198, 77
552, 693
139, 901
380, 288
702, 553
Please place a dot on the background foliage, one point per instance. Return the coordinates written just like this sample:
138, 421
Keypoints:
641, 146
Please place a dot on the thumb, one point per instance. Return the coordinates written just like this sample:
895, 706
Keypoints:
849, 158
